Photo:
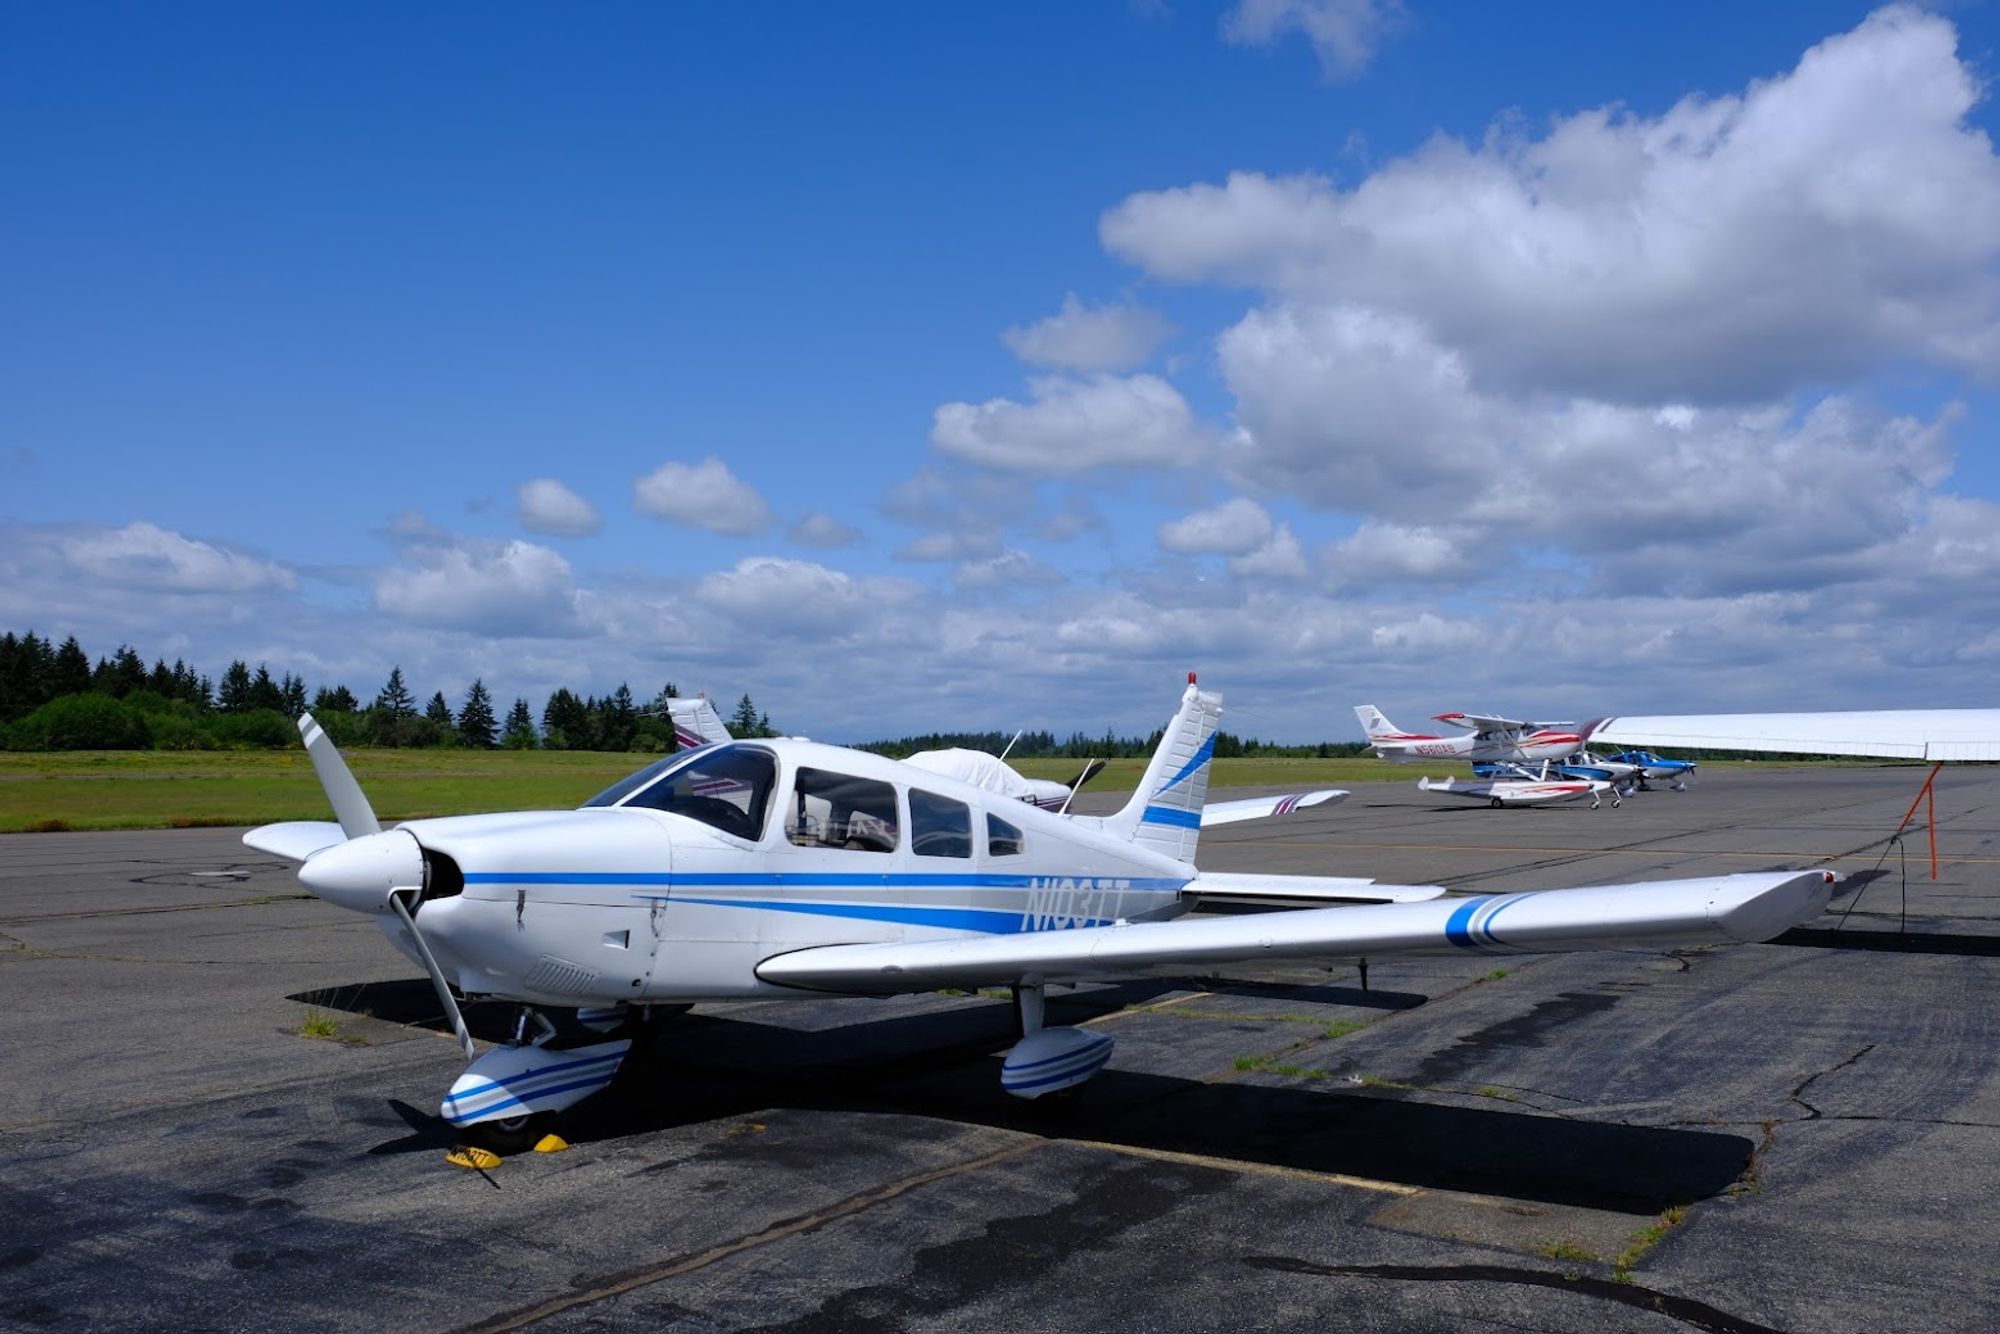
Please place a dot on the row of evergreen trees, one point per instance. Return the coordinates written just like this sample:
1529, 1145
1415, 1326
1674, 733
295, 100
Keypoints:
52, 697
1110, 746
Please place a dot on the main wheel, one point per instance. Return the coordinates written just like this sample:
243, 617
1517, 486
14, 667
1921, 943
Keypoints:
509, 1135
1496, 803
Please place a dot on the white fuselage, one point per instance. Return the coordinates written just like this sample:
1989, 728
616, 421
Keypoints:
627, 903
1530, 746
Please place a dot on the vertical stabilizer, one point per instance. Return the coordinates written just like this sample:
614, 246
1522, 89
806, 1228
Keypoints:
1373, 723
696, 723
1165, 811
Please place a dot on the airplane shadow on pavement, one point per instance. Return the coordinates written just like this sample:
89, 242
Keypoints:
944, 1064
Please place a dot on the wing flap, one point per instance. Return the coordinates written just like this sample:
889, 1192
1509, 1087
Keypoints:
1665, 914
1299, 891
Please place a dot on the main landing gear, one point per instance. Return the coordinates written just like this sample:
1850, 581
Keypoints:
1049, 1061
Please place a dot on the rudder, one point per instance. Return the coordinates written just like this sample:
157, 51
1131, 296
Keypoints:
1164, 813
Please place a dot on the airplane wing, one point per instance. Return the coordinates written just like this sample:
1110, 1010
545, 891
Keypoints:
1664, 914
1486, 722
1256, 808
1902, 734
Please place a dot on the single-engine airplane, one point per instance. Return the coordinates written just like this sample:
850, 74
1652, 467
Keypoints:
1512, 785
788, 868
1650, 766
1485, 739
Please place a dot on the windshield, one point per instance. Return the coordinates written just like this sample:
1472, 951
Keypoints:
631, 783
725, 787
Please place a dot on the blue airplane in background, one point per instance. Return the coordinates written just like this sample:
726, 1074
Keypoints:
1650, 766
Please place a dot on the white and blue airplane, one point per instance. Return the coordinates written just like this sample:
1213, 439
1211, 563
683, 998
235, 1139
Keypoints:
787, 868
696, 723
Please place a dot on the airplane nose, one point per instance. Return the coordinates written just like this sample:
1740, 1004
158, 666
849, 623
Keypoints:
359, 873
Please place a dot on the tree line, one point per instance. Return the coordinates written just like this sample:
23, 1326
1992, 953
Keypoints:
1110, 746
53, 697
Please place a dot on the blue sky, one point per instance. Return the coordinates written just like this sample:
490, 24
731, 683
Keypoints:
1559, 361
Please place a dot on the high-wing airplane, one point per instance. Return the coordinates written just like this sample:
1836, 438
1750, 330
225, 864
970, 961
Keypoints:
788, 868
1512, 785
1483, 739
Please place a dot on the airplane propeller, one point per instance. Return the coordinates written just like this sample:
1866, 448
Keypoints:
373, 869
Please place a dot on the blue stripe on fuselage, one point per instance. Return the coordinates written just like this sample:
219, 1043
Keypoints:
990, 921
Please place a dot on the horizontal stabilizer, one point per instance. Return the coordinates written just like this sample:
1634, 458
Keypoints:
1665, 914
295, 839
1256, 808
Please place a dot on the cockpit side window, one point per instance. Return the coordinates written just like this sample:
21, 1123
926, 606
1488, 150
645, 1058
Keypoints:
939, 826
725, 787
1002, 839
836, 810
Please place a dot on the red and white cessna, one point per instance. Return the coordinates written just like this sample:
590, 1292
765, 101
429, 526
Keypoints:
1484, 739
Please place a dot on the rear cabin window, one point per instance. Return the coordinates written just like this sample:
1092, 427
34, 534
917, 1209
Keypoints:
939, 826
725, 787
836, 810
1002, 839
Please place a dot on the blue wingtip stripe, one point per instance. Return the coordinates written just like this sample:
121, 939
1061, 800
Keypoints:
1458, 927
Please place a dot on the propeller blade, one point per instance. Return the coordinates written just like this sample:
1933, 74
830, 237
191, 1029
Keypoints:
438, 983
350, 807
1090, 771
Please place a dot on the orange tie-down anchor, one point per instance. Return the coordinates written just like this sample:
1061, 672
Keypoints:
1926, 797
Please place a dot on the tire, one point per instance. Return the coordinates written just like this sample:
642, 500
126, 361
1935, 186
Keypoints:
1496, 803
509, 1135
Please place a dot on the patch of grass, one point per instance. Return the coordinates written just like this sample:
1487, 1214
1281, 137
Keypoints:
1645, 1239
1269, 1065
322, 1025
1498, 974
1504, 1095
1340, 1028
1374, 1081
1565, 1250
46, 827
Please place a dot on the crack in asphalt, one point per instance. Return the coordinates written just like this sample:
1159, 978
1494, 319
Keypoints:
1813, 1113
1687, 1310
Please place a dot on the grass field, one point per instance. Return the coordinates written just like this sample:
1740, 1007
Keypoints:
167, 789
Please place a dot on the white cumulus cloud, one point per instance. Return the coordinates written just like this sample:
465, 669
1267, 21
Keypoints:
1345, 34
703, 495
1073, 425
1090, 338
143, 556
545, 505
501, 589
1230, 529
1733, 247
